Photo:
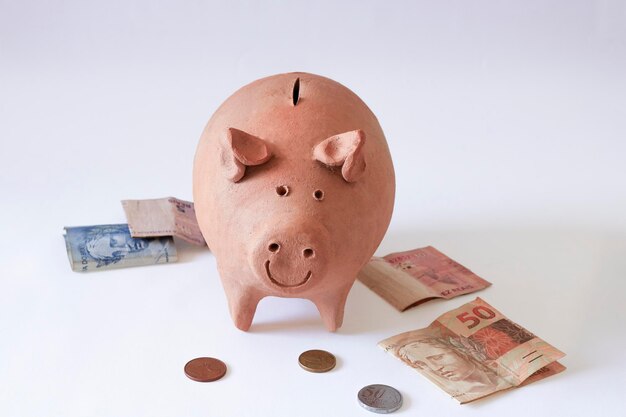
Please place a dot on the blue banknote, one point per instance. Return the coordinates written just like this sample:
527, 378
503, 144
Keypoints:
95, 248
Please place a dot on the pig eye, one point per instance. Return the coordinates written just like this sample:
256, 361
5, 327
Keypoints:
282, 190
318, 195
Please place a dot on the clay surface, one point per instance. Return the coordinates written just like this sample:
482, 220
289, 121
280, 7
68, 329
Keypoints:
294, 190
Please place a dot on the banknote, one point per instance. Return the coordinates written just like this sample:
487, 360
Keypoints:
95, 248
167, 216
474, 351
406, 279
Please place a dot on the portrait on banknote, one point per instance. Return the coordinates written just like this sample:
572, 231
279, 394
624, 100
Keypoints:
459, 364
112, 244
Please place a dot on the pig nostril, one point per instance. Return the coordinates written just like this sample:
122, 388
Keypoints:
318, 195
273, 247
282, 190
308, 253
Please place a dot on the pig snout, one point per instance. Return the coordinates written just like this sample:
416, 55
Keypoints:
293, 256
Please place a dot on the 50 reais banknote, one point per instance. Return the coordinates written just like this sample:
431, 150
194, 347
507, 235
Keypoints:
101, 247
474, 351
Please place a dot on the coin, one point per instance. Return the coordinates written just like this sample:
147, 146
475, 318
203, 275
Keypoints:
381, 399
205, 369
317, 360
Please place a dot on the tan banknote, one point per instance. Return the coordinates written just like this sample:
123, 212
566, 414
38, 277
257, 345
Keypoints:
406, 279
163, 217
474, 351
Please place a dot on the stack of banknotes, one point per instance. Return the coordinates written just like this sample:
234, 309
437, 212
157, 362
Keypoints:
147, 238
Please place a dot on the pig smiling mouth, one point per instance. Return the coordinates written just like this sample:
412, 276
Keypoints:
269, 275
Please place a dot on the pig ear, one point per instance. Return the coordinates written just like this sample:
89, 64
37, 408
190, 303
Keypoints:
241, 149
345, 150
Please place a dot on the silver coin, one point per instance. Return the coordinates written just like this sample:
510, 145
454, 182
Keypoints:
381, 399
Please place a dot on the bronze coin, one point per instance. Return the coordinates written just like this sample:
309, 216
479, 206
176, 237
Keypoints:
317, 360
205, 369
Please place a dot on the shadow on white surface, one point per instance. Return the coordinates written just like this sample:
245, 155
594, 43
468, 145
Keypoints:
407, 404
188, 252
287, 325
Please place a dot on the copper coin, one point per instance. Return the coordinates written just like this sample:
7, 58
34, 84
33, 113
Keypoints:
205, 369
317, 360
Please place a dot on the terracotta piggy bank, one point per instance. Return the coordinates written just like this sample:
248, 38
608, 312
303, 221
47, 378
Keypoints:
294, 188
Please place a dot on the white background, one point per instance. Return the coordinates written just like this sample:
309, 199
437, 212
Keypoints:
507, 125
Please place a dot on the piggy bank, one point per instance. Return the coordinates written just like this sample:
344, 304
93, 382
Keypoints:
294, 188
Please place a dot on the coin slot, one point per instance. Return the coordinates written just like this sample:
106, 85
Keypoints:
295, 94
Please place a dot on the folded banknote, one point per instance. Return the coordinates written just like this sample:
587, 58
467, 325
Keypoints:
94, 248
167, 216
406, 279
474, 351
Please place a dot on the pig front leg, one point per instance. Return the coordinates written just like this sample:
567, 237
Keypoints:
242, 302
331, 307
